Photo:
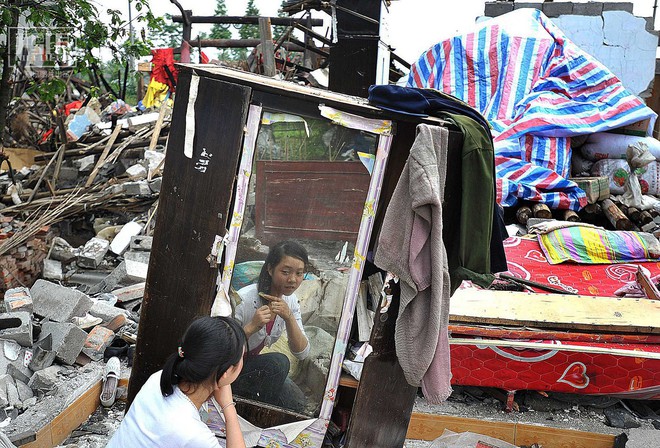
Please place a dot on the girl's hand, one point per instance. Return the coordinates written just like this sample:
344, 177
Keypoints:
280, 308
224, 395
261, 317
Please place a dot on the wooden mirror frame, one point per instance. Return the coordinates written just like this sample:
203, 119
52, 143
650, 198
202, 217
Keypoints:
314, 432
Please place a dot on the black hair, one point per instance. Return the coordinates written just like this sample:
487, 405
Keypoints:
210, 346
277, 252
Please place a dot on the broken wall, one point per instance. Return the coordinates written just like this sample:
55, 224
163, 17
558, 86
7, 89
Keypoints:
608, 31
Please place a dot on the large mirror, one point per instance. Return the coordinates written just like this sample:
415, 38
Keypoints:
308, 182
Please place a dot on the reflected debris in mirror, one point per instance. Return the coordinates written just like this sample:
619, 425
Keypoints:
308, 186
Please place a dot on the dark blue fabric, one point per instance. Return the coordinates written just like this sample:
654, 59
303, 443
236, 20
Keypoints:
420, 102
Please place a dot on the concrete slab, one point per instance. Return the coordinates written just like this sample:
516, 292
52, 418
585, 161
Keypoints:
59, 303
68, 340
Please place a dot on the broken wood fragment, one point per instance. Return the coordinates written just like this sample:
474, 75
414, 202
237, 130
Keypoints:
541, 211
615, 216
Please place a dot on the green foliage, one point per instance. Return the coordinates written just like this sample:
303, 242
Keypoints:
48, 90
169, 34
220, 31
279, 30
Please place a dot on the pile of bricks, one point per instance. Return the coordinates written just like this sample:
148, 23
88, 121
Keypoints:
22, 265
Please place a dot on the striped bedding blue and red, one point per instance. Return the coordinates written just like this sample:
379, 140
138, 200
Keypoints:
537, 89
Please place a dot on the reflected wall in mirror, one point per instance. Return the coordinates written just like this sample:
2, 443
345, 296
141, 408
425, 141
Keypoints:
306, 196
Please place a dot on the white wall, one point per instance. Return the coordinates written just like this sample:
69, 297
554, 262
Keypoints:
620, 41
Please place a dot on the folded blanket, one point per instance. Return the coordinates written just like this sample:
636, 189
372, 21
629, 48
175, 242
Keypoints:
587, 245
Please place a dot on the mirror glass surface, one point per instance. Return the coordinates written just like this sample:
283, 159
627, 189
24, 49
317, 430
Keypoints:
308, 185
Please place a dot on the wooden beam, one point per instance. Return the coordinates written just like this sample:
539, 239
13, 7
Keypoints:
244, 20
626, 315
193, 211
240, 43
267, 49
104, 155
430, 426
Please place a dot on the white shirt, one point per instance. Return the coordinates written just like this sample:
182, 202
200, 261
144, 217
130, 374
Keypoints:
245, 311
164, 422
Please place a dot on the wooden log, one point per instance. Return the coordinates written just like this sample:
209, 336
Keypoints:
645, 217
86, 152
616, 216
242, 43
103, 156
245, 20
570, 215
523, 214
541, 211
634, 214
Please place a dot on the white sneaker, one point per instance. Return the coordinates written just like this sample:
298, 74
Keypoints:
86, 322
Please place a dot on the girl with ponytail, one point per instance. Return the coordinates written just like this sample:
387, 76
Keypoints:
165, 413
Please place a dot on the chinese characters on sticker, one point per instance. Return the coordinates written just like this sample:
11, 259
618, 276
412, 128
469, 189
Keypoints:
203, 162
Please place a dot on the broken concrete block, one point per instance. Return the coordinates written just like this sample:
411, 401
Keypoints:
105, 312
137, 172
68, 174
43, 354
44, 380
59, 303
53, 270
62, 251
85, 164
123, 238
137, 265
18, 299
68, 340
3, 391
140, 188
97, 341
155, 184
8, 383
154, 158
93, 252
24, 392
141, 243
17, 327
128, 293
19, 371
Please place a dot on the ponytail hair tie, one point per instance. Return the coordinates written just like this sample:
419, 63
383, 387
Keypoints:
180, 351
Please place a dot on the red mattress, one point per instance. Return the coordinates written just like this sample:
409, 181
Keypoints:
603, 366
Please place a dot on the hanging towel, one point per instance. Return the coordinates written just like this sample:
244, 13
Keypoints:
410, 245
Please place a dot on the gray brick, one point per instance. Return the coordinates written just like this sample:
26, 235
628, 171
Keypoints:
68, 340
105, 311
496, 9
58, 303
557, 9
18, 371
537, 5
93, 252
24, 392
618, 6
43, 355
156, 184
140, 188
18, 299
141, 243
588, 9
44, 380
17, 327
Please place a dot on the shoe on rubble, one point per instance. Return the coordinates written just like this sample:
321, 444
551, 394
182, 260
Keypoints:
86, 322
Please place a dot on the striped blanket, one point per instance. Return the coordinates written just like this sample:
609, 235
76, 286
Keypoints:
537, 89
593, 245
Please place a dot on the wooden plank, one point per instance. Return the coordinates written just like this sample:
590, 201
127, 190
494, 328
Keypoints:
267, 49
316, 200
561, 438
348, 381
430, 426
74, 415
610, 314
384, 399
103, 156
69, 419
193, 209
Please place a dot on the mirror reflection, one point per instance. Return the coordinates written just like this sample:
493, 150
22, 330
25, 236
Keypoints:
305, 201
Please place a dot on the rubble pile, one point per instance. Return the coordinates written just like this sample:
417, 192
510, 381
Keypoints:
23, 264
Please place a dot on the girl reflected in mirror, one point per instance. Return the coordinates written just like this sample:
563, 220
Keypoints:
267, 309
